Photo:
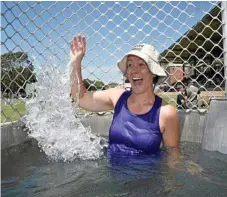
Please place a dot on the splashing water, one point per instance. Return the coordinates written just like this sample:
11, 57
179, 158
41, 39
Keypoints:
51, 119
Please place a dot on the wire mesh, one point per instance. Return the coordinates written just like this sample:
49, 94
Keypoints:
188, 35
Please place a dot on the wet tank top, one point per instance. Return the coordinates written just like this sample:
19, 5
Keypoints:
134, 134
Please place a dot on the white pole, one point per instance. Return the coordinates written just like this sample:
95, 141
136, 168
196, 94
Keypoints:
224, 30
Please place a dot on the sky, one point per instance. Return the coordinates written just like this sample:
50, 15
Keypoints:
44, 30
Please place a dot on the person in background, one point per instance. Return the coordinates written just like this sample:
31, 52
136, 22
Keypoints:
181, 98
141, 120
192, 95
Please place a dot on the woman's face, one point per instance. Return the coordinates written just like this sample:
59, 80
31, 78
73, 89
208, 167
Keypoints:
139, 75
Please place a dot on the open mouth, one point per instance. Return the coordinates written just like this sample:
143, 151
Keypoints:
137, 80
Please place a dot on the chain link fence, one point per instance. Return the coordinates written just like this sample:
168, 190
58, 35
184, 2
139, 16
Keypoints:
190, 37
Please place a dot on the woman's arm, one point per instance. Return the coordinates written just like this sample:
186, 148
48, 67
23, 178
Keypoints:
91, 101
77, 52
102, 100
171, 133
170, 126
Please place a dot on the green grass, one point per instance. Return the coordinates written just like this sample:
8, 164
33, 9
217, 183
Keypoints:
12, 112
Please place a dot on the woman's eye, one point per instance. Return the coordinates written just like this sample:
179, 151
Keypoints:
142, 65
129, 65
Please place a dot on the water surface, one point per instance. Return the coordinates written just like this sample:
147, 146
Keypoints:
28, 172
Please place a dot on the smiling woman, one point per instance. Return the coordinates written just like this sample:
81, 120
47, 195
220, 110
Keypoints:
142, 120
137, 69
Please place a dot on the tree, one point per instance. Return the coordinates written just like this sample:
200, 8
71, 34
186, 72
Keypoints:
93, 85
99, 85
17, 72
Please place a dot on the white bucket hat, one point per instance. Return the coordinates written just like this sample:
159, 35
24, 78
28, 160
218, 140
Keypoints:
150, 56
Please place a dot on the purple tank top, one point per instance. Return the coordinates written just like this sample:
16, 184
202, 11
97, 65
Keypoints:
134, 134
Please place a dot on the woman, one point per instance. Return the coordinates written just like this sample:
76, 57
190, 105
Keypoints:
141, 119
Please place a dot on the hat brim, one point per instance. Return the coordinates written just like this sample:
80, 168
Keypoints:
153, 66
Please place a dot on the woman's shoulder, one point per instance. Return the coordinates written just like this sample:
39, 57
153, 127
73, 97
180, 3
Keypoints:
115, 93
168, 110
168, 116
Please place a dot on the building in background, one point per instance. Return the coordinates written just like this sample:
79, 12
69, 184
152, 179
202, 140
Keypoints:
198, 54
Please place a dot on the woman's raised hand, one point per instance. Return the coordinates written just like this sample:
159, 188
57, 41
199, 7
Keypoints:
77, 48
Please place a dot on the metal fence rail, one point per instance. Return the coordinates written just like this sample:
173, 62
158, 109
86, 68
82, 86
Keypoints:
188, 35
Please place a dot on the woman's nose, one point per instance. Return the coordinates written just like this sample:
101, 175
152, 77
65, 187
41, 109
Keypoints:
135, 68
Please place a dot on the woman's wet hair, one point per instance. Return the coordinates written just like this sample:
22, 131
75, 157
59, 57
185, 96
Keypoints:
155, 80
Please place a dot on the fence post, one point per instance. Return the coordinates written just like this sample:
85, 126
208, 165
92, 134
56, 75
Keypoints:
224, 29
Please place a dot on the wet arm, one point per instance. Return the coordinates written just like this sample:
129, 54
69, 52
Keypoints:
102, 100
171, 134
91, 101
